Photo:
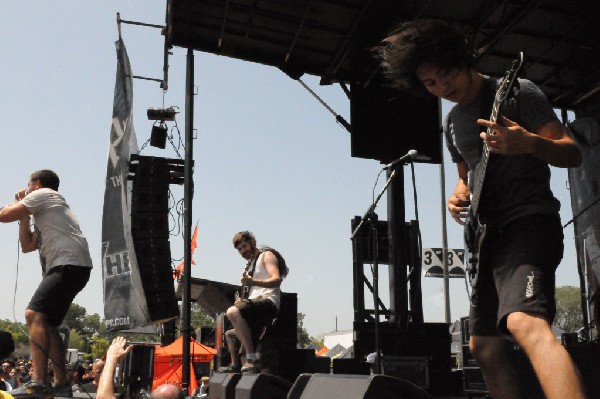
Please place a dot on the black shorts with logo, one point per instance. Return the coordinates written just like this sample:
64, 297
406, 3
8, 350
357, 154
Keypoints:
57, 290
258, 313
517, 273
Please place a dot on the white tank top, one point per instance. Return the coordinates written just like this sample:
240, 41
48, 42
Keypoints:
260, 273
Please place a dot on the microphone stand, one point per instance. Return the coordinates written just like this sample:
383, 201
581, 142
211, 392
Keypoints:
371, 216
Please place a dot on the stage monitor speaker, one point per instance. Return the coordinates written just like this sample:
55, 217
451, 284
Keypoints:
262, 386
334, 386
387, 123
222, 385
299, 385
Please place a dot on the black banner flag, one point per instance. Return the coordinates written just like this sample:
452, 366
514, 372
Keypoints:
124, 301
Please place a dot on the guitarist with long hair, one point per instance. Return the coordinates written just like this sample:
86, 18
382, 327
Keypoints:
258, 302
517, 238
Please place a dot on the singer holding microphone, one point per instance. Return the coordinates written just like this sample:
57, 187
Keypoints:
66, 266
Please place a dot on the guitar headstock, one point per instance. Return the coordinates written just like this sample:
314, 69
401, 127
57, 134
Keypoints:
509, 86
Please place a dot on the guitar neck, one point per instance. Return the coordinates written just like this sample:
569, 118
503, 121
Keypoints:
485, 156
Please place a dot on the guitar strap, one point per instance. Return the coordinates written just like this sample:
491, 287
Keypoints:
251, 265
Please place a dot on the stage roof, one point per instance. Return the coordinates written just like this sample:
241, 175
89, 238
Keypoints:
331, 38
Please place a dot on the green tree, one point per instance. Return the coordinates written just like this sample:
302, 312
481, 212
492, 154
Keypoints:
317, 341
77, 341
75, 318
98, 347
92, 324
302, 335
569, 315
199, 317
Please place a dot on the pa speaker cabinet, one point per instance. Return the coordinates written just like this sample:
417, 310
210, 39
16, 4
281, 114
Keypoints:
335, 386
387, 123
262, 386
138, 369
411, 368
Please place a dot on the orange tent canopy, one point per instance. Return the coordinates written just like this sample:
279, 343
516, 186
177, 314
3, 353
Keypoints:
168, 362
323, 351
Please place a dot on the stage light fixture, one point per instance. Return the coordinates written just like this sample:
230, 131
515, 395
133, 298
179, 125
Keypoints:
158, 136
161, 114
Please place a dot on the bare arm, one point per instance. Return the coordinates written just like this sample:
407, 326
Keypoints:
551, 143
18, 211
270, 263
26, 236
117, 351
13, 212
458, 203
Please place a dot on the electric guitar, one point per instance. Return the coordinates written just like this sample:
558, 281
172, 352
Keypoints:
244, 291
475, 230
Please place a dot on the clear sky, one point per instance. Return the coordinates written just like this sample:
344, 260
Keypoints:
269, 157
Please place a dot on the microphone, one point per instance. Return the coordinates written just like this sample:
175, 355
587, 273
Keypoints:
409, 156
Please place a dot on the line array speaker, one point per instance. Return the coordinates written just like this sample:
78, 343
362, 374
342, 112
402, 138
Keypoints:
150, 233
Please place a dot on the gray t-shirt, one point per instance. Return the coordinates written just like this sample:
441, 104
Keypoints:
58, 236
515, 186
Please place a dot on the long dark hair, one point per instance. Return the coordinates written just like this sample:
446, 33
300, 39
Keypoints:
281, 265
426, 41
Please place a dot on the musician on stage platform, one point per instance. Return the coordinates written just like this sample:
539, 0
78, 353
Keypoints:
258, 304
66, 267
514, 293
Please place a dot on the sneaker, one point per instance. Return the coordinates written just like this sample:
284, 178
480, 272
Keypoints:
250, 367
63, 390
32, 389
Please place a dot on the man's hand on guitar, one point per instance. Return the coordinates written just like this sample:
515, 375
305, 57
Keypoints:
508, 138
458, 205
246, 280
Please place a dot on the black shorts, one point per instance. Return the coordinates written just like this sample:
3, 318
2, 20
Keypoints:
57, 290
258, 313
517, 273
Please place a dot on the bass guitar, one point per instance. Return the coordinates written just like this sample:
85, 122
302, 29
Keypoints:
475, 229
